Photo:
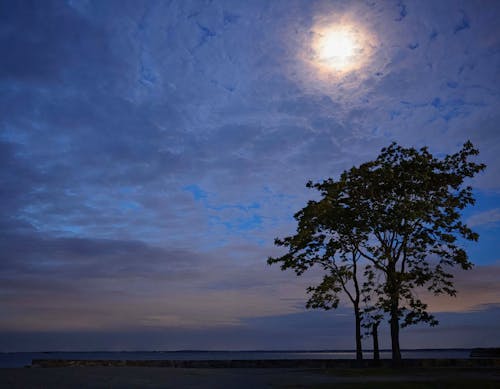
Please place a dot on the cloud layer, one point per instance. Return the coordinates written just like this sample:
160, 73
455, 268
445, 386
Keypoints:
151, 151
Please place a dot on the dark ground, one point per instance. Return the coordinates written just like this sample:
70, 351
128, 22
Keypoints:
157, 377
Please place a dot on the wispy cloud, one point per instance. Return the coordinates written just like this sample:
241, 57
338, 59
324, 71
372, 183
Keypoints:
490, 217
151, 151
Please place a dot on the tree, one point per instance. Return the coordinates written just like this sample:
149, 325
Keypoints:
410, 204
373, 313
326, 237
371, 324
340, 276
401, 213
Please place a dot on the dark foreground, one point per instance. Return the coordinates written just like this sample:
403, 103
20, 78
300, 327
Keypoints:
167, 377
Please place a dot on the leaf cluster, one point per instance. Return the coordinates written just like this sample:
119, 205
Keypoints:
401, 214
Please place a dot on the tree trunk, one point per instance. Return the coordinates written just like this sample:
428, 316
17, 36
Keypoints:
393, 287
396, 351
359, 350
376, 352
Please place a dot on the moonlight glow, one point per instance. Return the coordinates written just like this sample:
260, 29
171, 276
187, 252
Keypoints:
340, 48
337, 47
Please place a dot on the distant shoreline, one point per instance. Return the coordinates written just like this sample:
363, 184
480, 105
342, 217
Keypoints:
243, 351
20, 359
270, 363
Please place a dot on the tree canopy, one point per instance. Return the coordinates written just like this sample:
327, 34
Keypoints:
401, 215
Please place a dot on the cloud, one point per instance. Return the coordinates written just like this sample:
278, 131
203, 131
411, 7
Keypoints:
488, 217
476, 290
47, 45
312, 330
95, 284
152, 151
171, 105
84, 284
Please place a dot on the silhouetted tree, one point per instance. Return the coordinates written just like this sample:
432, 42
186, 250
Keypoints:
342, 277
372, 312
326, 238
401, 214
371, 324
410, 203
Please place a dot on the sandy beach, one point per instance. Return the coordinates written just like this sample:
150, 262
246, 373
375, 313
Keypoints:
151, 377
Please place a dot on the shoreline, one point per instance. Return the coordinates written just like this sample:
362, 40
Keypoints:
270, 363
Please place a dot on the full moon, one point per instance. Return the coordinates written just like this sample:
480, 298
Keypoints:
337, 47
340, 48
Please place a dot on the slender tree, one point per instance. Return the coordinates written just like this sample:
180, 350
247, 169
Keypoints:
341, 277
326, 238
371, 324
372, 311
407, 205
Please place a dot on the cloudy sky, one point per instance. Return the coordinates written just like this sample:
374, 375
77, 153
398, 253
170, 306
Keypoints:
151, 151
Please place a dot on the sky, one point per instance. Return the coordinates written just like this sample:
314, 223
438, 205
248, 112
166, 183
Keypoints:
151, 151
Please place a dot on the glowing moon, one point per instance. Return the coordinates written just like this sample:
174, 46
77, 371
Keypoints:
336, 47
340, 48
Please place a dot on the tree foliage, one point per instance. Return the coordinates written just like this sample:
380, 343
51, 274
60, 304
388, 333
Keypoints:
400, 214
325, 238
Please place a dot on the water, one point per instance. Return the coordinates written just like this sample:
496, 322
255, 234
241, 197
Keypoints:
24, 359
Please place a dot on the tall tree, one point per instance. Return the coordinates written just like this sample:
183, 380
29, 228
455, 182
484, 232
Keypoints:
326, 238
409, 205
401, 213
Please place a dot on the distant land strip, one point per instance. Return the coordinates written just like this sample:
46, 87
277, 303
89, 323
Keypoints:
492, 352
268, 363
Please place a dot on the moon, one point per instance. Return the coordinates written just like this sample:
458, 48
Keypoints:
339, 48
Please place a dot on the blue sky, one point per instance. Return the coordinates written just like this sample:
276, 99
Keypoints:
151, 151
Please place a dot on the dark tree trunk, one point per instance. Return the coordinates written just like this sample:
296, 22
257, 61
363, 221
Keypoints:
359, 350
396, 351
376, 352
393, 287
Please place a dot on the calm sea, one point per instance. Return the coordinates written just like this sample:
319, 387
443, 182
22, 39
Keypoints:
23, 359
